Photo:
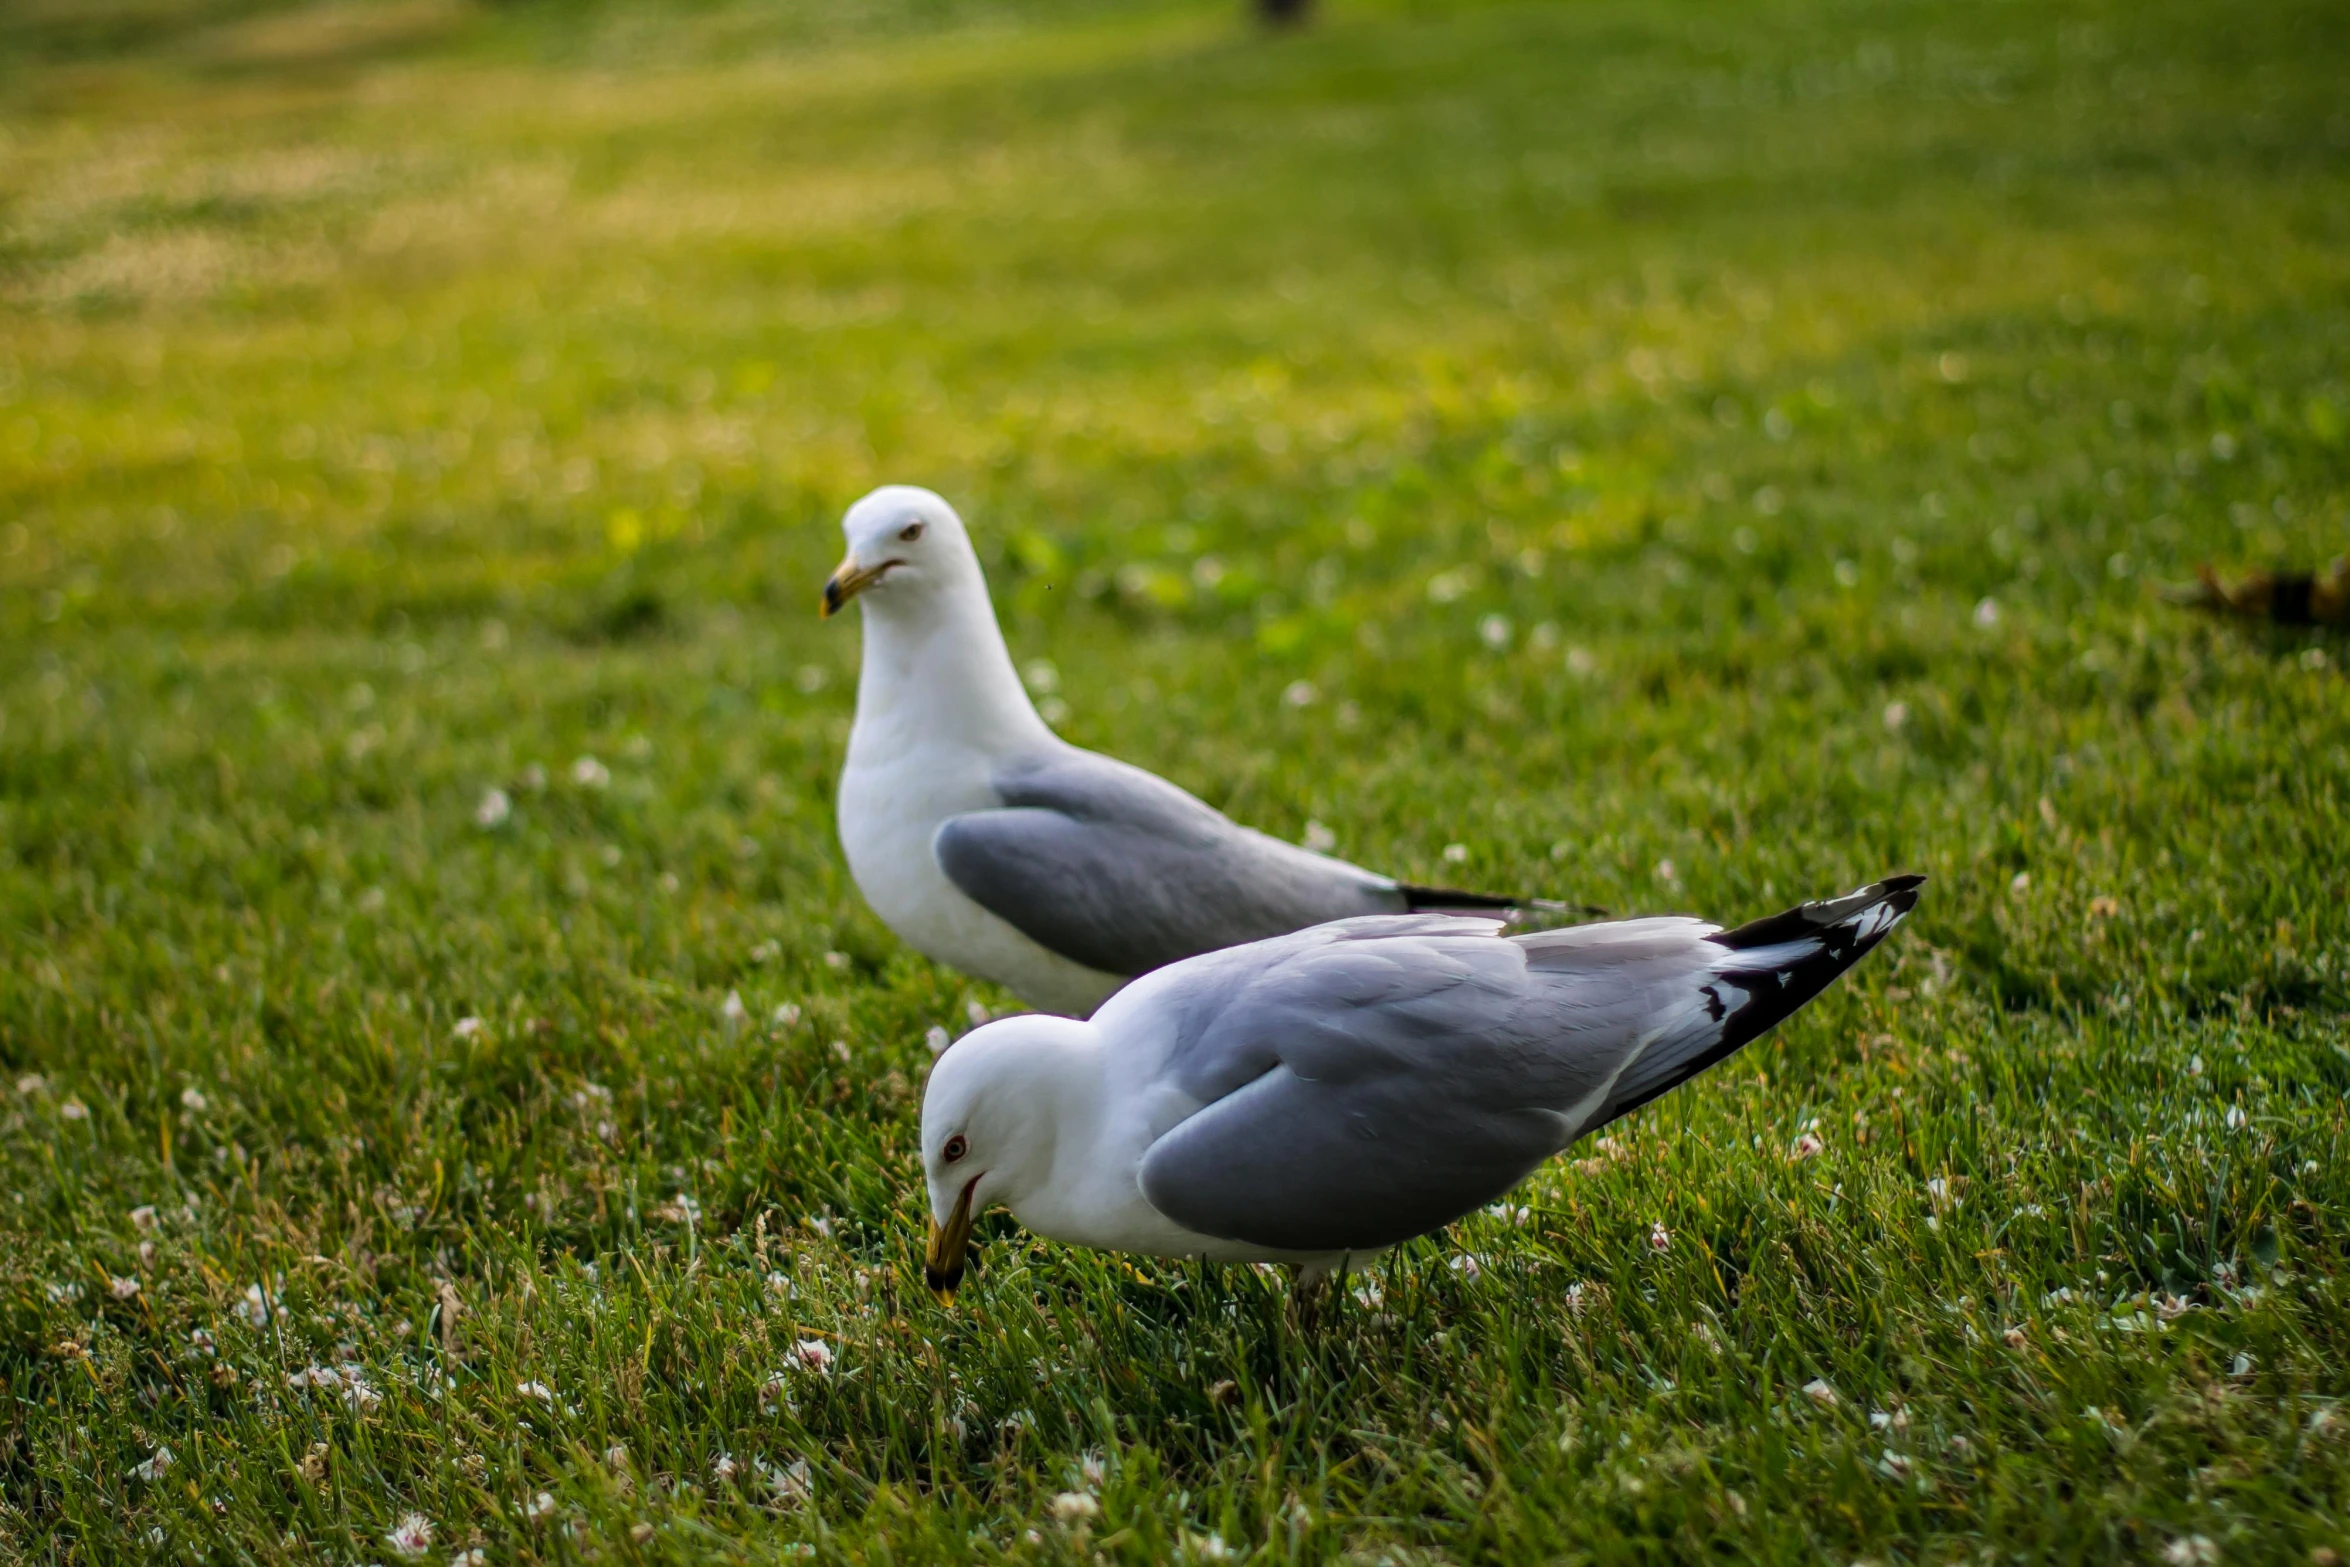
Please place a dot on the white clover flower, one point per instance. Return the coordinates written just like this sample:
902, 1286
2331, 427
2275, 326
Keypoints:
32, 1083
193, 1099
538, 1390
790, 1483
468, 1027
787, 1015
1207, 1547
1808, 1146
536, 1507
588, 773
1092, 1472
153, 1467
814, 1354
2191, 1550
1072, 1507
1456, 854
143, 1217
1468, 1266
1300, 693
122, 1288
1987, 615
496, 805
1659, 1238
936, 1039
1818, 1391
732, 1010
74, 1110
722, 1468
1319, 838
412, 1536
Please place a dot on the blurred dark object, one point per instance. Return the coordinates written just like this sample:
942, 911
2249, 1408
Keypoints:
2287, 598
1284, 13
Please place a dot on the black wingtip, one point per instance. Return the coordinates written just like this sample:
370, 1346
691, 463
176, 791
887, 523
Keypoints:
1898, 893
1451, 900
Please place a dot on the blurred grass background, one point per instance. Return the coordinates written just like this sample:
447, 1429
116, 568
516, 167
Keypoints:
1677, 456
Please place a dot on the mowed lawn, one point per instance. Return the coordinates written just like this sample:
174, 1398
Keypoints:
1680, 457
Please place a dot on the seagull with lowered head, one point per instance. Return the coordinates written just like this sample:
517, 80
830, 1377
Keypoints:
989, 843
1319, 1097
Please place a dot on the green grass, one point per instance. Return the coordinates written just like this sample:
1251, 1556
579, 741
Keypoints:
1693, 456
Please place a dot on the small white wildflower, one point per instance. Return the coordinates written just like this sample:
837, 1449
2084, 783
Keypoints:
1300, 693
1659, 1238
1369, 1295
936, 1039
1894, 1464
254, 1309
1456, 854
538, 1390
74, 1110
791, 1483
775, 1392
1092, 1472
1468, 1267
477, 1557
538, 1506
2191, 1550
588, 773
1495, 632
59, 1294
1818, 1391
814, 1354
732, 1011
412, 1536
1987, 615
154, 1465
468, 1027
976, 1013
1808, 1146
200, 1341
1896, 715
1667, 872
2014, 1336
496, 805
1319, 838
722, 1468
787, 1015
1207, 1547
2236, 1118
1075, 1507
143, 1217
193, 1099
122, 1288
32, 1083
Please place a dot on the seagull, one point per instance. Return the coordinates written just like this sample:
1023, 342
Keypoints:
991, 844
1321, 1096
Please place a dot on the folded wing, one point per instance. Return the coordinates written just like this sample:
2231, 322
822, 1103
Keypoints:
1120, 870
1373, 1080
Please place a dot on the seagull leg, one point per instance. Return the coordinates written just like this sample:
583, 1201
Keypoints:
1310, 1289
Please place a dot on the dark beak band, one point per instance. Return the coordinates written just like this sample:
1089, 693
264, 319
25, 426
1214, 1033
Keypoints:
942, 1264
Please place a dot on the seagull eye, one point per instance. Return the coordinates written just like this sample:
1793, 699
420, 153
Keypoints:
955, 1148
910, 532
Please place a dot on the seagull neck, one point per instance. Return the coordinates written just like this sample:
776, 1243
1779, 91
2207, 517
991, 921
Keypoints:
928, 677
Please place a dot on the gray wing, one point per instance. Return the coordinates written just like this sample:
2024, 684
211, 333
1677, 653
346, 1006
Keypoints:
1375, 1080
1123, 872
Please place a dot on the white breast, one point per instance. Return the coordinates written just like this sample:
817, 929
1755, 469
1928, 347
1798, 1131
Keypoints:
890, 811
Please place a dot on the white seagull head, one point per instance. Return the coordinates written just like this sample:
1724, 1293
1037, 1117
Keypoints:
993, 1116
908, 550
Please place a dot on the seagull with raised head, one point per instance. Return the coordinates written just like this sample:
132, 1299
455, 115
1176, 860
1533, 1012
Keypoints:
991, 844
1321, 1096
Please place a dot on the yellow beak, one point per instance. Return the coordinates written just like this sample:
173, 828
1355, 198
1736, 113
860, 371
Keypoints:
942, 1264
849, 579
